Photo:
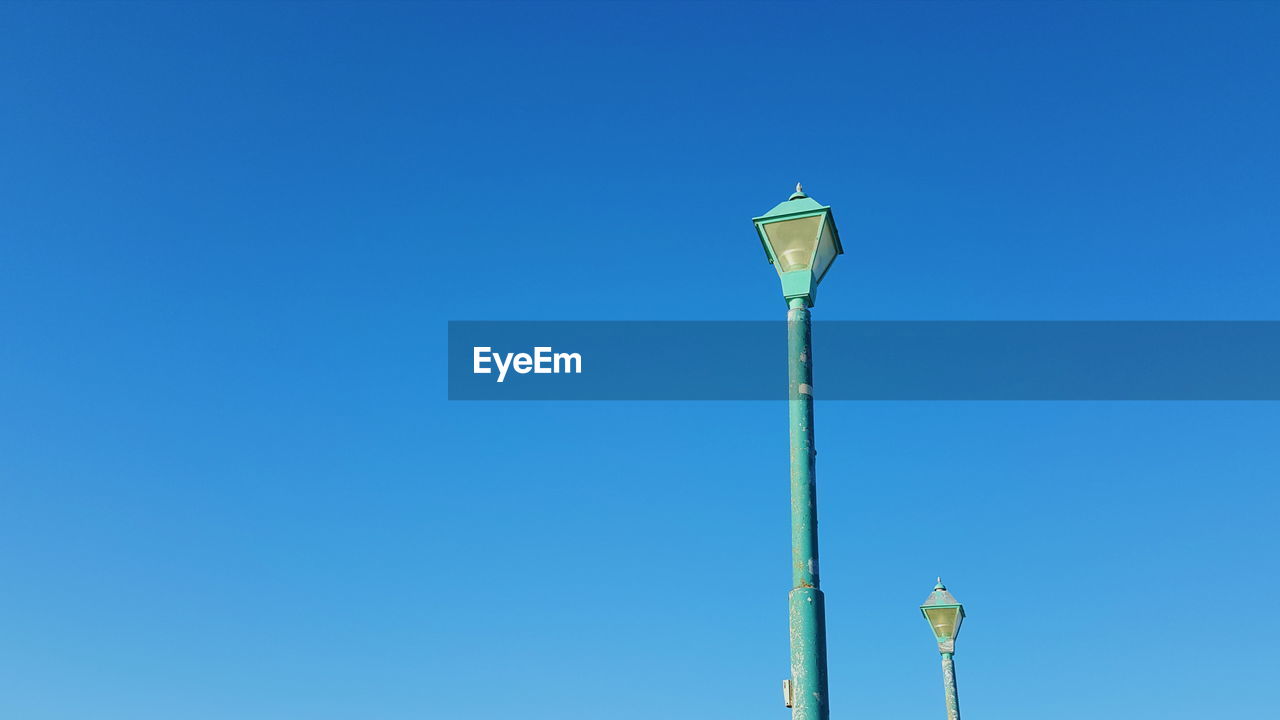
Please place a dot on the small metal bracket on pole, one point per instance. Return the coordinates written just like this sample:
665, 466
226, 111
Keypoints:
786, 693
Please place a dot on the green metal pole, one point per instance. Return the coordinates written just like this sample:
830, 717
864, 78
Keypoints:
949, 685
808, 614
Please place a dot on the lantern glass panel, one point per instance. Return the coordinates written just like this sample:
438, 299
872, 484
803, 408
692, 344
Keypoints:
793, 241
826, 250
945, 621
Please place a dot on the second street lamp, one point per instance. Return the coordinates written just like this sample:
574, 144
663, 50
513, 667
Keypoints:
801, 241
944, 614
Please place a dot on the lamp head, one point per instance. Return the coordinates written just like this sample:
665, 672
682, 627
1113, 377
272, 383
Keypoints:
944, 614
801, 241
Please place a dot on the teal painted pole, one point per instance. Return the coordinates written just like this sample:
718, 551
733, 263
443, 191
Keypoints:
807, 610
949, 683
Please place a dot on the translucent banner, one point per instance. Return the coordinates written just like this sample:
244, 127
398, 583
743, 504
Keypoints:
496, 360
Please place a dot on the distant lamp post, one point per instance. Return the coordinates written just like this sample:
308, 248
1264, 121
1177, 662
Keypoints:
945, 614
801, 241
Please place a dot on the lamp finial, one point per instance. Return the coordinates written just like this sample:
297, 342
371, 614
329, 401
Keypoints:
799, 193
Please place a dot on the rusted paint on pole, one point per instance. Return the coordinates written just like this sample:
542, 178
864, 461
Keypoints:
949, 686
807, 608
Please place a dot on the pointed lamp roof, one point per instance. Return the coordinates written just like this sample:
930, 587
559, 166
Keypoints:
797, 203
940, 596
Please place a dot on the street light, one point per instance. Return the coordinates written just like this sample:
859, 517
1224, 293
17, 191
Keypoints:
801, 241
944, 614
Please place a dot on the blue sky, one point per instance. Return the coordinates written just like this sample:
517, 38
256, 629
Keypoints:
232, 233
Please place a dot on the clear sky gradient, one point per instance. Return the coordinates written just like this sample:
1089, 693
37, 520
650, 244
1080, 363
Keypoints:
232, 233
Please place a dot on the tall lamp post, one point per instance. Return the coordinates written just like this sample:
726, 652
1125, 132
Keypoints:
944, 614
801, 241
